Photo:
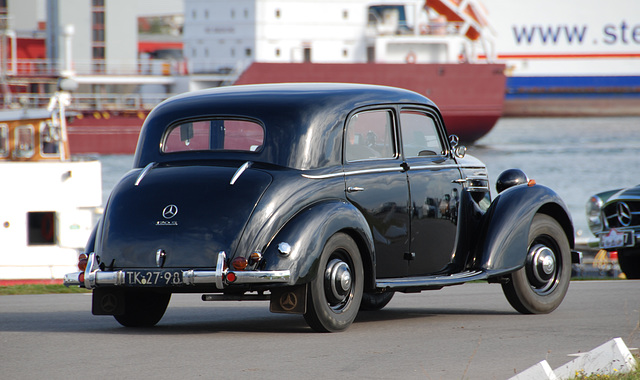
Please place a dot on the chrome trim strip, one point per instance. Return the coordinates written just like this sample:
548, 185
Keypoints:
323, 176
144, 172
388, 170
355, 172
434, 166
239, 172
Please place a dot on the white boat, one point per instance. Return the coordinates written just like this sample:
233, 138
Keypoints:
49, 201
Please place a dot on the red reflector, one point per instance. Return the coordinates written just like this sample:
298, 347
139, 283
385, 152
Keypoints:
81, 277
231, 277
82, 264
239, 263
531, 182
613, 255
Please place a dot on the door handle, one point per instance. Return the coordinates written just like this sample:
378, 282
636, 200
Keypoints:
353, 189
460, 181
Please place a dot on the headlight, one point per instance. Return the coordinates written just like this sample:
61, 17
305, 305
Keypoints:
594, 206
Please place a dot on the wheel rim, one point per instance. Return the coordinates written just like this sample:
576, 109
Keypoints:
338, 284
544, 265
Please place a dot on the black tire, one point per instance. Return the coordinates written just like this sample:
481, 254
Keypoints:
375, 301
540, 286
143, 309
334, 295
629, 261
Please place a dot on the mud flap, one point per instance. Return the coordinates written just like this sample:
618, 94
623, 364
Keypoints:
108, 301
290, 300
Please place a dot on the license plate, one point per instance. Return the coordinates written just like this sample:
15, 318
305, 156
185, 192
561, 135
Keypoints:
615, 239
150, 278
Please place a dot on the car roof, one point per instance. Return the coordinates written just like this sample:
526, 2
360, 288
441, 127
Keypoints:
303, 121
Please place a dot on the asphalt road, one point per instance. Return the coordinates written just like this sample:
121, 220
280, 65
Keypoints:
461, 332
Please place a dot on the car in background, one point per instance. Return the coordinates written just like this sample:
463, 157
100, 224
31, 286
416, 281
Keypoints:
614, 218
323, 199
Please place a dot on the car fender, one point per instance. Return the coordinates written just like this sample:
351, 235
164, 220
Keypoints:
502, 245
306, 234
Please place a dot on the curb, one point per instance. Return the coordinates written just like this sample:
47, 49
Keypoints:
611, 357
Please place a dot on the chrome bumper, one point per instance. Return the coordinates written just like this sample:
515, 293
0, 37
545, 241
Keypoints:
94, 277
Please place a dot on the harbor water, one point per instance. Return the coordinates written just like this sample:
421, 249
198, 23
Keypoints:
576, 157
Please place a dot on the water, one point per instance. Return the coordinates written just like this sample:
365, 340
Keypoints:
576, 157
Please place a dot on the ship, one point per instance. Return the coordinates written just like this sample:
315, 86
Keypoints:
49, 199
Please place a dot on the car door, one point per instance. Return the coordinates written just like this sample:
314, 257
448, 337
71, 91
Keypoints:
435, 188
376, 184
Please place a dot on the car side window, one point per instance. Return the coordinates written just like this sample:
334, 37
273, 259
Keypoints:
419, 134
369, 136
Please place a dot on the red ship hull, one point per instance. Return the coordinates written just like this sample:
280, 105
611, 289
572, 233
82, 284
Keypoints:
470, 96
105, 133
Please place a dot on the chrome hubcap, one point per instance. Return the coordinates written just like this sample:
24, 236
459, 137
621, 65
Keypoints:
542, 268
338, 281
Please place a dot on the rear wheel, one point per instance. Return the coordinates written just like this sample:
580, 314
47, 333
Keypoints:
143, 309
334, 295
540, 286
629, 261
375, 301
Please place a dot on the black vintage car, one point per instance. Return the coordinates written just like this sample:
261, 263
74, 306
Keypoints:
614, 218
324, 199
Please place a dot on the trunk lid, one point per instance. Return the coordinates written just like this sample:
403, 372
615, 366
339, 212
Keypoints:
189, 212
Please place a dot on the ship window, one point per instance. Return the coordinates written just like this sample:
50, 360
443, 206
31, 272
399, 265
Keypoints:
49, 139
24, 141
41, 228
369, 136
419, 134
214, 135
4, 140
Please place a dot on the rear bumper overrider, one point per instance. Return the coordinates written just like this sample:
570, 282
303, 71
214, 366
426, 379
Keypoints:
95, 277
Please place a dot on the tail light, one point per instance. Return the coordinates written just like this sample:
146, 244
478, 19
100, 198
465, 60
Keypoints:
82, 262
239, 263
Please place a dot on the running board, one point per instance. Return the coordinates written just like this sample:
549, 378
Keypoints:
410, 284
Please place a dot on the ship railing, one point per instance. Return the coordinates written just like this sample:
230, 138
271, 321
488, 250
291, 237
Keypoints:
433, 28
52, 68
86, 102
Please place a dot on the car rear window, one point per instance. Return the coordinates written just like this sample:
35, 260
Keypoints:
214, 134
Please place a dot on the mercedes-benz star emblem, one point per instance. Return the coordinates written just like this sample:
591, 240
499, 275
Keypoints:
109, 303
288, 301
170, 211
624, 214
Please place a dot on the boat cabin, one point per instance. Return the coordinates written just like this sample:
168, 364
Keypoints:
32, 135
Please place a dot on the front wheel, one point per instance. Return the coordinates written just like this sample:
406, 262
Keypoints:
143, 309
540, 286
629, 261
335, 293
